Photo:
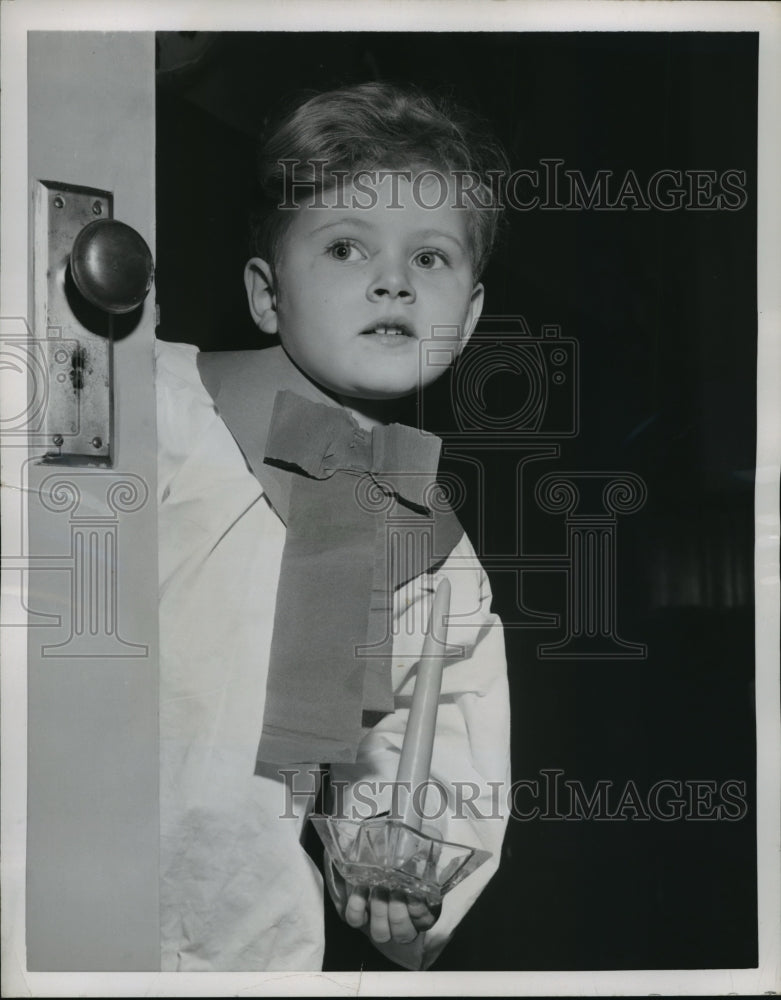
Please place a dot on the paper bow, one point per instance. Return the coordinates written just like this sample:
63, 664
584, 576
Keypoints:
345, 554
320, 440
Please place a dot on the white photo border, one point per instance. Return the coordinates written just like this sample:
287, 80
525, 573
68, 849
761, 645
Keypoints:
20, 16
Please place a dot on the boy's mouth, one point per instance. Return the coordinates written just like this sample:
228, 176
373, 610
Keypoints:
388, 330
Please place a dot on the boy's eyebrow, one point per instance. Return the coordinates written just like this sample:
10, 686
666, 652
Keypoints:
427, 233
341, 221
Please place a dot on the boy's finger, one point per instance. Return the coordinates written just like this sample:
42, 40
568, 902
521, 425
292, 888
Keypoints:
379, 927
355, 910
421, 915
399, 920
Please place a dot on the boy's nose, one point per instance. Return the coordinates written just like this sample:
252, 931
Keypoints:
393, 282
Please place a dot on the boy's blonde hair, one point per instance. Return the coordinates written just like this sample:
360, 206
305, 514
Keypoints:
337, 134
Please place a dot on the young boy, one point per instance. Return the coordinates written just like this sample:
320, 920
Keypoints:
290, 631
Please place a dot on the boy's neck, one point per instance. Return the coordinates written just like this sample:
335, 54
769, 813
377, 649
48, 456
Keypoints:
368, 413
371, 413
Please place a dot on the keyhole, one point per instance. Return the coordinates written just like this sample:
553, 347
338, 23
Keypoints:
78, 366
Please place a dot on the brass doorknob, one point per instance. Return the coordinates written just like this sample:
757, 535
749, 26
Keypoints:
112, 266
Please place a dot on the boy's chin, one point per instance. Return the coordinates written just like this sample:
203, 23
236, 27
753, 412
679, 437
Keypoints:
378, 387
378, 395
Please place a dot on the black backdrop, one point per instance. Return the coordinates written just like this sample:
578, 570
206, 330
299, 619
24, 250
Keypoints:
663, 307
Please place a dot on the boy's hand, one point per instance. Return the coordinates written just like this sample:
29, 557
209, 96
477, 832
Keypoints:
394, 916
391, 916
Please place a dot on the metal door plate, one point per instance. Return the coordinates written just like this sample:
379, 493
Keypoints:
74, 336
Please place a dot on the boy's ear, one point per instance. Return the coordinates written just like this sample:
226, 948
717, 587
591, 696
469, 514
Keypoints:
261, 295
473, 314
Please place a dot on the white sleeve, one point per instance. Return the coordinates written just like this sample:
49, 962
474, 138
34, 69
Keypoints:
471, 758
237, 891
189, 429
182, 408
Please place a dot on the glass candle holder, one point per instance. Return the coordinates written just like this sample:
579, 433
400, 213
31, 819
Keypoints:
387, 853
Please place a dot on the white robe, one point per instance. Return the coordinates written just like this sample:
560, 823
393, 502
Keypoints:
238, 892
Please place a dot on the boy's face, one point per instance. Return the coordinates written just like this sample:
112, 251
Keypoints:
360, 290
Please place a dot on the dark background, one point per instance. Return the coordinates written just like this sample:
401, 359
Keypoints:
663, 307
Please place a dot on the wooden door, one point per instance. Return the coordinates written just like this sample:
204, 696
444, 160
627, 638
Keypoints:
92, 818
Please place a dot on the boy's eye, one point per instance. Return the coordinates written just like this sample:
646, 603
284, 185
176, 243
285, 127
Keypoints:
345, 250
430, 259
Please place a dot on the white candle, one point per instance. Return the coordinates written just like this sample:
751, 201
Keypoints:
415, 761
